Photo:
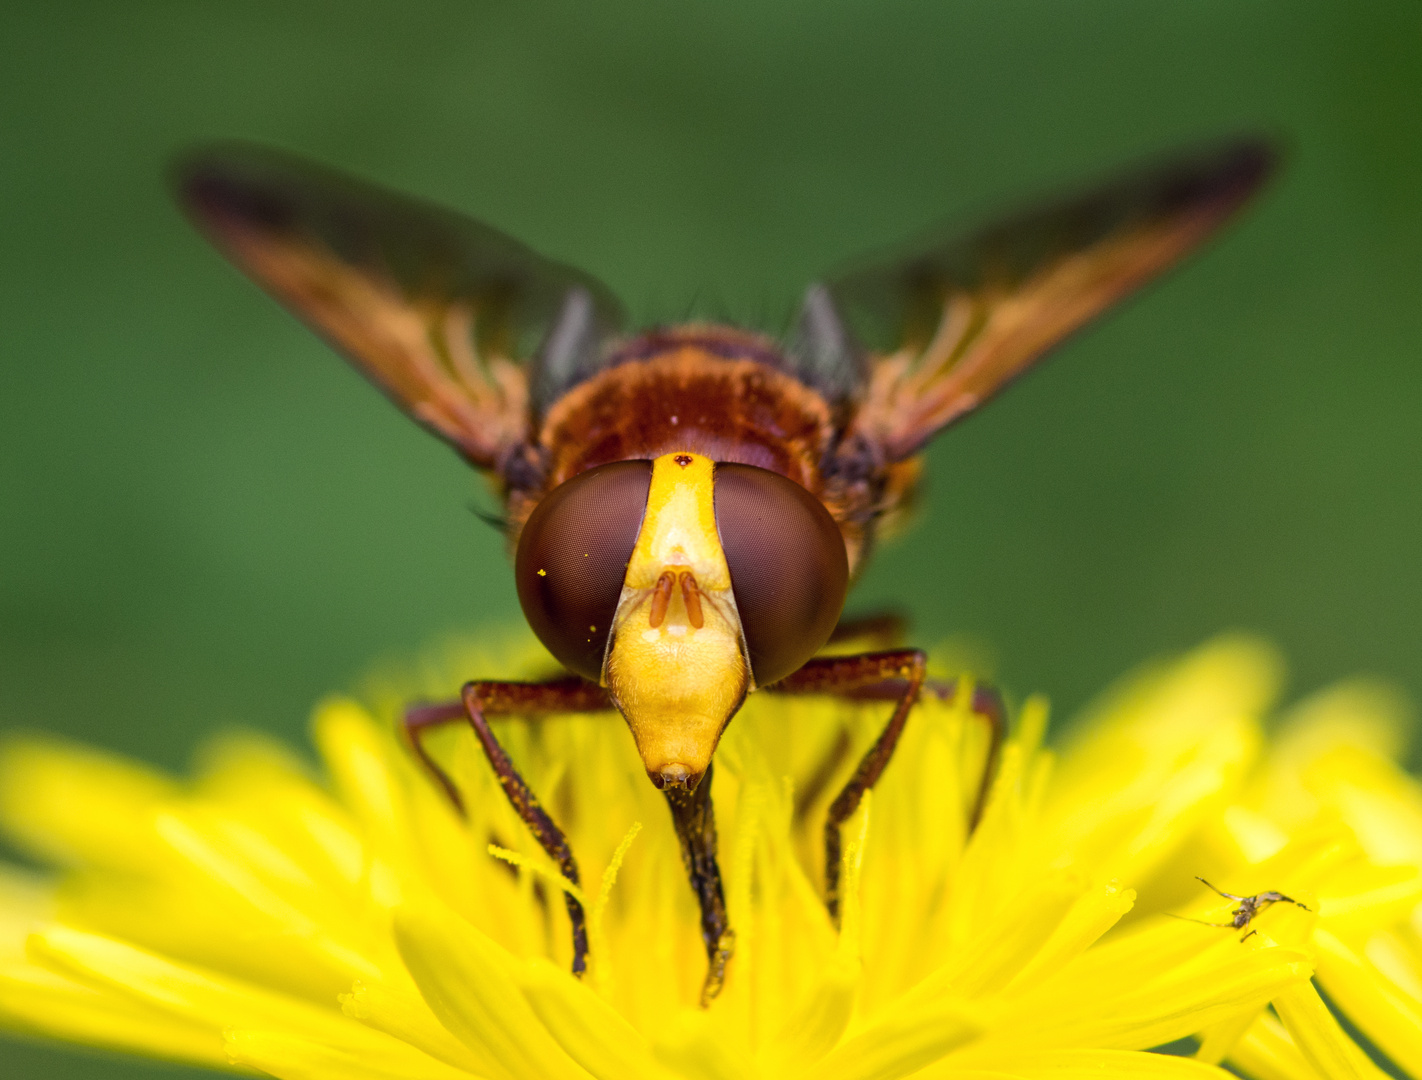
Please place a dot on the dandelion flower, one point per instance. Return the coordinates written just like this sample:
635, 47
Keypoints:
348, 923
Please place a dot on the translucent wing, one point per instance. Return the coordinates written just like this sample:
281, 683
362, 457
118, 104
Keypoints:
439, 310
963, 319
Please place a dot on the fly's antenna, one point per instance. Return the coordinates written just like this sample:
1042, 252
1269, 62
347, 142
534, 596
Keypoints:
1212, 888
494, 521
693, 303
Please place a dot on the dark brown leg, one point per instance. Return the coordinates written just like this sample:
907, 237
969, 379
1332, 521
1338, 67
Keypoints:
483, 699
695, 821
883, 630
418, 720
896, 675
987, 703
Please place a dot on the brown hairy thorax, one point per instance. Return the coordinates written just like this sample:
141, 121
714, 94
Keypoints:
712, 390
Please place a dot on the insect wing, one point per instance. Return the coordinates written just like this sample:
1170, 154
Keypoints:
438, 310
964, 318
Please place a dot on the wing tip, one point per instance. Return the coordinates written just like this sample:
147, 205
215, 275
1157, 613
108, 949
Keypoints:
223, 184
1226, 172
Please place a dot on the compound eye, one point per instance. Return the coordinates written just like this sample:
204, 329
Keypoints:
572, 559
789, 570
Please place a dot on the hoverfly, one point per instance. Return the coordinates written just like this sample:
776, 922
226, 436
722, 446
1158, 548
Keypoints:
687, 505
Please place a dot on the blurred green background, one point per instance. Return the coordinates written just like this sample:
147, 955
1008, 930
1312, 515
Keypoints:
206, 519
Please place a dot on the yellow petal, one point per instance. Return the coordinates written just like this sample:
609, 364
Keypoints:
467, 980
1079, 1065
1159, 758
816, 1025
36, 1001
176, 915
405, 1015
592, 1032
194, 996
1138, 1008
1380, 802
260, 782
199, 998
1320, 1038
1397, 954
1266, 1052
899, 1042
1012, 938
692, 1045
76, 805
356, 755
26, 902
1374, 1003
1093, 913
1366, 896
1219, 1039
208, 843
293, 1058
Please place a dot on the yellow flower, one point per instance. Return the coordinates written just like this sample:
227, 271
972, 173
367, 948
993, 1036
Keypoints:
349, 924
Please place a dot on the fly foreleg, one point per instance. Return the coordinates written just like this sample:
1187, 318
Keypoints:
897, 675
478, 701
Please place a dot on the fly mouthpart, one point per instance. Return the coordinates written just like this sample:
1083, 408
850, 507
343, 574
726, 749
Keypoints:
674, 775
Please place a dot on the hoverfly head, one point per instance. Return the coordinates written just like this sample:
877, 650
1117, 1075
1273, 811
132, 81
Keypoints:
681, 584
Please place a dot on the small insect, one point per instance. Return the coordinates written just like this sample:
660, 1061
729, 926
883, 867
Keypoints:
687, 505
1249, 908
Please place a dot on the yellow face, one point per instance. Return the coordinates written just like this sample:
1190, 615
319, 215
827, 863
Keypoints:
676, 664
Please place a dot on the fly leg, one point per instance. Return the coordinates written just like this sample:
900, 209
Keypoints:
883, 630
695, 820
987, 703
843, 675
478, 701
897, 675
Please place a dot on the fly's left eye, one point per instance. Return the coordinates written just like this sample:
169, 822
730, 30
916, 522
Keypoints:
789, 570
572, 559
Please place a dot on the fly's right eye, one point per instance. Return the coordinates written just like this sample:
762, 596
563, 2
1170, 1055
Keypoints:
572, 560
788, 567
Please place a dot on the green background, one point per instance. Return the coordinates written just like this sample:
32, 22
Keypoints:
206, 519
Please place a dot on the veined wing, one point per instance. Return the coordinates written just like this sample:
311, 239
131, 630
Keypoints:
469, 331
968, 316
